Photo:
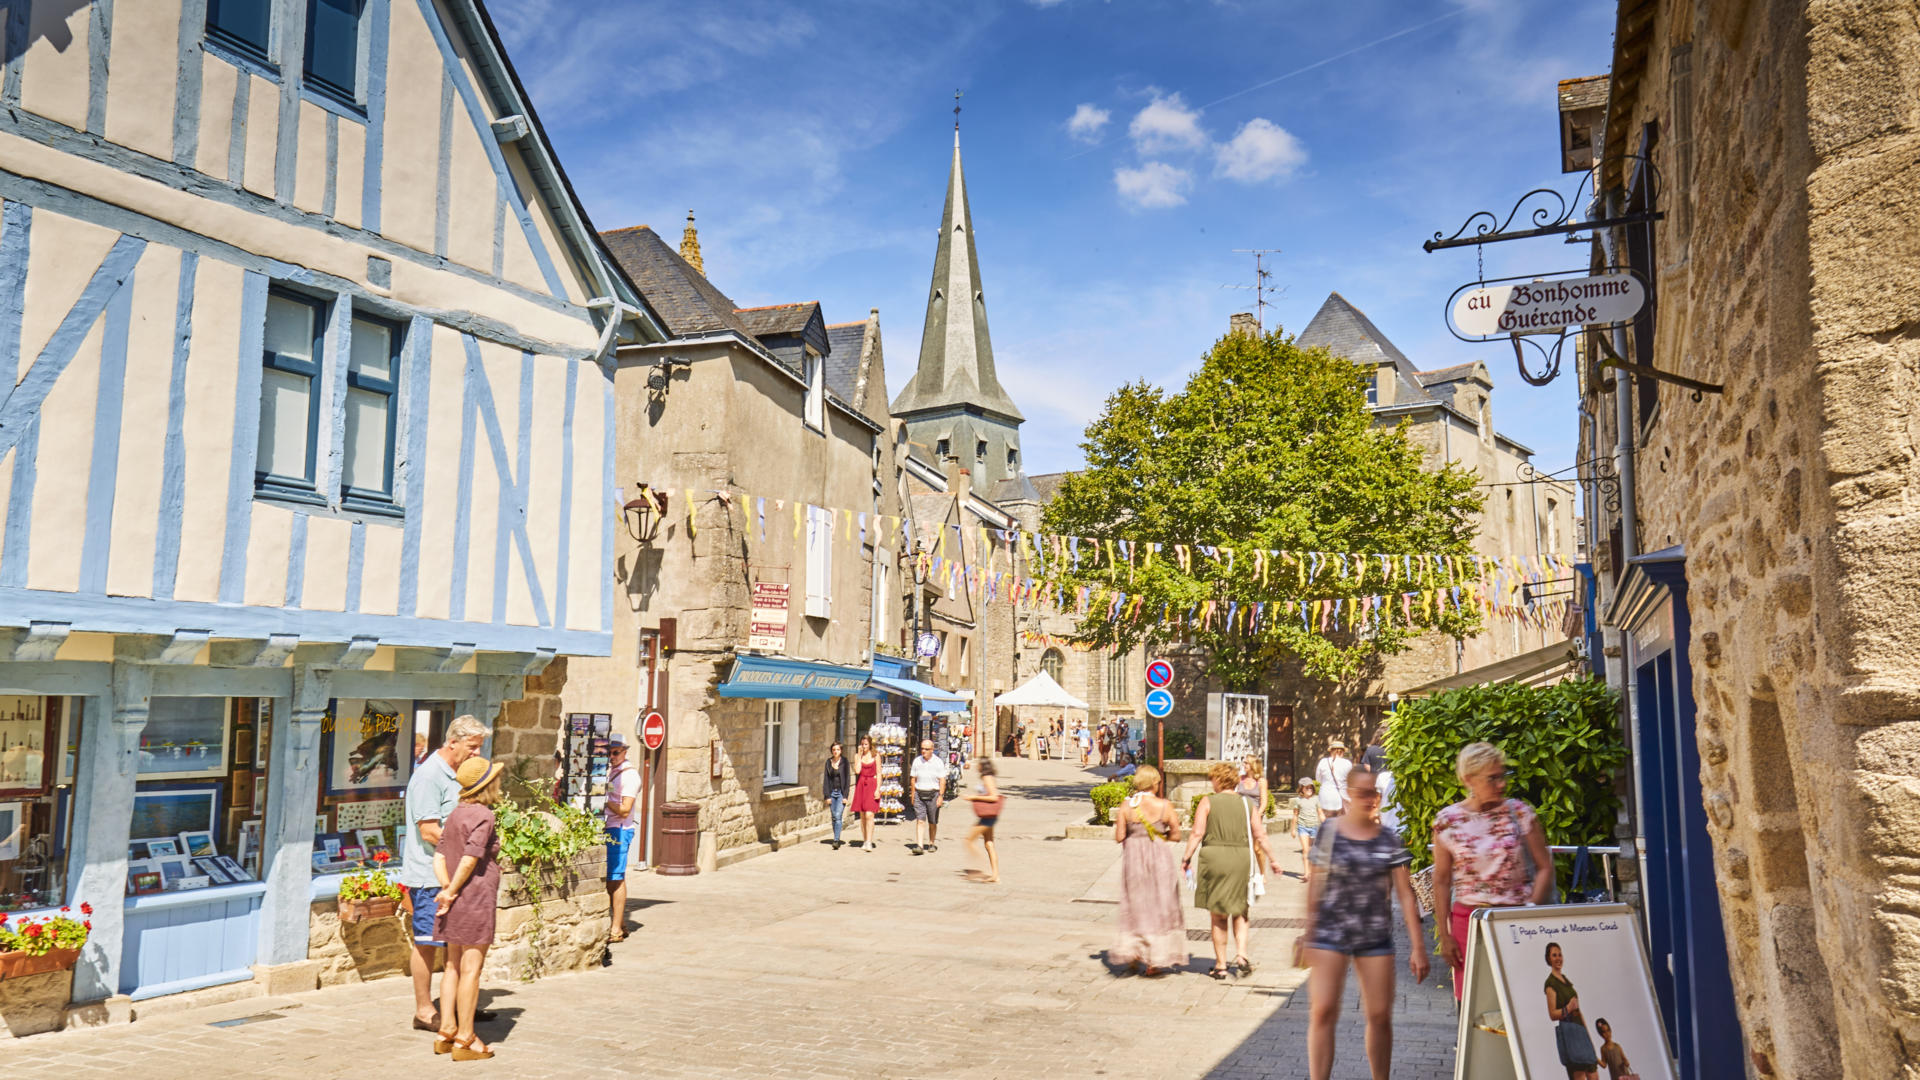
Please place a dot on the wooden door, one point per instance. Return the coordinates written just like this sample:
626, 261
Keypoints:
1280, 774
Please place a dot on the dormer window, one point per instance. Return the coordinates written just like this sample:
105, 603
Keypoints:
1013, 460
815, 405
1373, 388
980, 451
943, 449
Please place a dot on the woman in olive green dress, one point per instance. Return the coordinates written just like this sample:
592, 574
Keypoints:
1222, 829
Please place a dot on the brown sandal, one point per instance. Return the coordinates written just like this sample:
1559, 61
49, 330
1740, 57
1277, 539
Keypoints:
463, 1050
443, 1042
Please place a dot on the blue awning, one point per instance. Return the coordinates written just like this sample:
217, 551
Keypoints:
782, 679
934, 698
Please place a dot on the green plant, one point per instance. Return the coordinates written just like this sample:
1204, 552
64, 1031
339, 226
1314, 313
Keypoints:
370, 884
1193, 808
540, 839
60, 931
1107, 796
1562, 745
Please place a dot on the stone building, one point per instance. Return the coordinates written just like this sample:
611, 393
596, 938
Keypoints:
759, 465
1756, 543
274, 402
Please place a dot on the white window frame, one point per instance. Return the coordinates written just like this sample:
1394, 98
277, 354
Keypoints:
780, 756
819, 563
816, 396
943, 652
882, 576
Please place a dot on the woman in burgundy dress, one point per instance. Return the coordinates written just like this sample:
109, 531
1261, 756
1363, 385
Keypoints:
468, 866
866, 789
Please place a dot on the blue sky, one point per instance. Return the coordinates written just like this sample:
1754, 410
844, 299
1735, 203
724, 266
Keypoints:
1117, 152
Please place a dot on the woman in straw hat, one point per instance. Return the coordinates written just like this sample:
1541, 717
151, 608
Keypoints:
468, 866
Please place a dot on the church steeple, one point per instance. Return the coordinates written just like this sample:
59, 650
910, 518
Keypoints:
690, 246
956, 354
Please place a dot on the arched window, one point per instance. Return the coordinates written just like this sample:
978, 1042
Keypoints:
1053, 664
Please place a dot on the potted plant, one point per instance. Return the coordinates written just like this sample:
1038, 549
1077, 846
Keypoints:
367, 894
51, 944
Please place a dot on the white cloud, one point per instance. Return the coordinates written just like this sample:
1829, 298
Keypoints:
1261, 151
1155, 184
1087, 122
1167, 124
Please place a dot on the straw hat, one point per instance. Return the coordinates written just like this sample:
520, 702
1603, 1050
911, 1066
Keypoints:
476, 773
1336, 744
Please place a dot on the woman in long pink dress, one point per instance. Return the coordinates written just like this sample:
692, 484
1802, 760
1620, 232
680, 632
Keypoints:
866, 789
1152, 932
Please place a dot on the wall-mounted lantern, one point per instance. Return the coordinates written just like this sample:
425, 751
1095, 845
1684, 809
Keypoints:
644, 513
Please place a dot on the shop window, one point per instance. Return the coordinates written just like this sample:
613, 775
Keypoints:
201, 795
245, 26
819, 563
1117, 677
39, 737
373, 383
333, 48
369, 748
782, 743
290, 393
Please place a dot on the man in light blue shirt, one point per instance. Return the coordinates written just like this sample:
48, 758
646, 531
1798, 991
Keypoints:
432, 794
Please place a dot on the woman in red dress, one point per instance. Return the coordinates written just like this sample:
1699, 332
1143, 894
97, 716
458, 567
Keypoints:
866, 789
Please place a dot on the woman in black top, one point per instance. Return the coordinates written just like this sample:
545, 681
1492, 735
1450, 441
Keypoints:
836, 783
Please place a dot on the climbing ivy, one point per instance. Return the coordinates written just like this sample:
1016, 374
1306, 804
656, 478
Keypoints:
541, 838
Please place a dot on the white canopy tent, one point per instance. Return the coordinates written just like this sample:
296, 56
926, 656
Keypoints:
1040, 690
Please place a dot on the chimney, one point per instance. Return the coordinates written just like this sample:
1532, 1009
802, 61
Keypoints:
1242, 323
690, 246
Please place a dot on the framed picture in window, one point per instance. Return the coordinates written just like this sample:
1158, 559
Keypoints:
143, 877
263, 732
212, 869
185, 738
364, 747
174, 869
196, 844
168, 809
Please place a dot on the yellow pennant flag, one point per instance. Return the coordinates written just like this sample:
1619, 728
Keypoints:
797, 516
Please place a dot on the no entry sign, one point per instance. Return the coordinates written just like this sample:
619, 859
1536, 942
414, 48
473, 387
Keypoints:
653, 731
1159, 674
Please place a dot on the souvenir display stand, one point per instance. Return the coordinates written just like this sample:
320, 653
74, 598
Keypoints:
585, 765
890, 739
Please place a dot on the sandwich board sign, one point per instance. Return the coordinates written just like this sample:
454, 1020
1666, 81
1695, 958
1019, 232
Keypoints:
1527, 965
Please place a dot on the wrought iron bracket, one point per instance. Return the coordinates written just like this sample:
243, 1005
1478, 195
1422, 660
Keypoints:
1561, 215
1615, 361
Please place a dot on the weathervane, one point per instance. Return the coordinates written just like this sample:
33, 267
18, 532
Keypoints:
956, 110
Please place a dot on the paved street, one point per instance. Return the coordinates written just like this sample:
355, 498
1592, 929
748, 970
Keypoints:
812, 962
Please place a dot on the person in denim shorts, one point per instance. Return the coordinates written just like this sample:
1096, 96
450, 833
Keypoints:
1360, 866
432, 793
1306, 822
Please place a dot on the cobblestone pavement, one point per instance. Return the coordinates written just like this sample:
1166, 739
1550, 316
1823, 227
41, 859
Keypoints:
815, 962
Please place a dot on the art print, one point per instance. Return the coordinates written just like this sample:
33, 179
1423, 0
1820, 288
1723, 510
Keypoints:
365, 745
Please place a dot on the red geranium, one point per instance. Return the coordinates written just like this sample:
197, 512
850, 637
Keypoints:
86, 908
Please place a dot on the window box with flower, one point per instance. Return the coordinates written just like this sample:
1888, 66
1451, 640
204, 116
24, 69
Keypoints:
367, 894
30, 947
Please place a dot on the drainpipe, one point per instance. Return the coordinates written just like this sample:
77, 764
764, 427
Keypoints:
1629, 547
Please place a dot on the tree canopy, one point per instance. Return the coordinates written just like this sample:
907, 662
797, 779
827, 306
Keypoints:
1269, 446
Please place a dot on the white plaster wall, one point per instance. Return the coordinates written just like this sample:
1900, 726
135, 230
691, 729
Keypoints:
141, 81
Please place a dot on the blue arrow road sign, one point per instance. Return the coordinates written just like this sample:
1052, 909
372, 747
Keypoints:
1159, 703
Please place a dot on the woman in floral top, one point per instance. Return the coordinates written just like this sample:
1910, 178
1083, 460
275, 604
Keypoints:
1481, 845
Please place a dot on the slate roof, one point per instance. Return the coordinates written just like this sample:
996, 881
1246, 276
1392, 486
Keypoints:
848, 340
777, 318
1346, 331
1016, 488
685, 300
1047, 485
1447, 374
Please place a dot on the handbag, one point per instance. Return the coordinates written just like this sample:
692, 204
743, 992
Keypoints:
1256, 881
1575, 1045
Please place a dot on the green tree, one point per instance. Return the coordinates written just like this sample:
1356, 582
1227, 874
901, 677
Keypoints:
1268, 447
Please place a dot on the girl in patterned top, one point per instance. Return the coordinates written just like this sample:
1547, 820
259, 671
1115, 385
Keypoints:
1481, 847
1358, 865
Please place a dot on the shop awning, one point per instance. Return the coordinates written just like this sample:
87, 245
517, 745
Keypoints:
934, 698
782, 679
1536, 668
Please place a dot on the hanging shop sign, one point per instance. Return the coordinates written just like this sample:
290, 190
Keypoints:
783, 679
1545, 305
767, 626
929, 645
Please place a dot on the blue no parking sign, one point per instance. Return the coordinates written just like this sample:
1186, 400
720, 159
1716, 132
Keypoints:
1159, 704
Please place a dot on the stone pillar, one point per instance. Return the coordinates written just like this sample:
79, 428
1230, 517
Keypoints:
105, 769
491, 691
286, 833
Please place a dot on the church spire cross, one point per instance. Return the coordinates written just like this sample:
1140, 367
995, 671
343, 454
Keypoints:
956, 111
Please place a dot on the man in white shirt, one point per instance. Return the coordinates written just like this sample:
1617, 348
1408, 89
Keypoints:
623, 790
1331, 777
929, 783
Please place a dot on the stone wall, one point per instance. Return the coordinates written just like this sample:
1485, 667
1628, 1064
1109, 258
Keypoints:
1790, 272
566, 930
356, 952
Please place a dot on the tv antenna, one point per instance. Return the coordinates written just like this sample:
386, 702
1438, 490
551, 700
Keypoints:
1260, 287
